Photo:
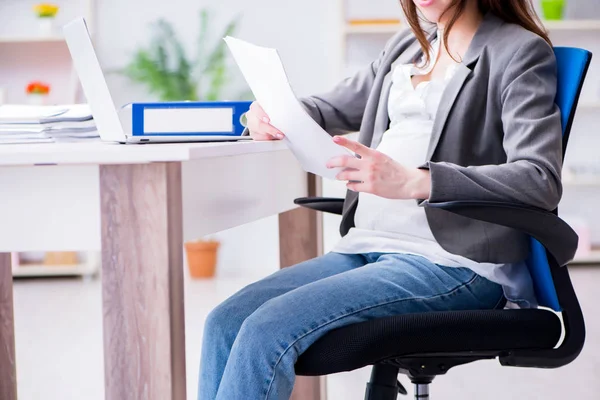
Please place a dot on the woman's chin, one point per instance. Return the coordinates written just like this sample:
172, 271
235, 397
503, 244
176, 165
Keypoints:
432, 10
432, 17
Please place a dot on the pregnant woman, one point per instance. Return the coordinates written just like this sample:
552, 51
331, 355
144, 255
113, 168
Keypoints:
459, 109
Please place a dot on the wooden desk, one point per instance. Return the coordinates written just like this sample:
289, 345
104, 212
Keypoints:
139, 203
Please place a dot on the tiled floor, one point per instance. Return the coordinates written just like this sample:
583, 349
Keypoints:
59, 348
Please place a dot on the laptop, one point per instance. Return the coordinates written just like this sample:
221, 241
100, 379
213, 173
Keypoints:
96, 91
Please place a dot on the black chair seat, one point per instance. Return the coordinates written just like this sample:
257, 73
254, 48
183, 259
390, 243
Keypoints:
450, 332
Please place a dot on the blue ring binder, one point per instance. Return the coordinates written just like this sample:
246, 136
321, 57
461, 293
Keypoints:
239, 109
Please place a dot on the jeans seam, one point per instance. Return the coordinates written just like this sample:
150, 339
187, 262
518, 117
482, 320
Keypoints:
462, 285
500, 300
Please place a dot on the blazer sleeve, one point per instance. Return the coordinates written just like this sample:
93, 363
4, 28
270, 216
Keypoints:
532, 140
341, 110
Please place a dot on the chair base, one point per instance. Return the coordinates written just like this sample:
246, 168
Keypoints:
421, 371
421, 391
384, 383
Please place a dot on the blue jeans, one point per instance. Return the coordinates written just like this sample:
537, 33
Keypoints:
253, 339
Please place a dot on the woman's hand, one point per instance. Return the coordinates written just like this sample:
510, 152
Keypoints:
260, 126
378, 174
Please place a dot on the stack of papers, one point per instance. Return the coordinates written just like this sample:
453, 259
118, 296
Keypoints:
39, 124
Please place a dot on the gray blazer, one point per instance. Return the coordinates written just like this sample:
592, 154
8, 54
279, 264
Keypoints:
497, 133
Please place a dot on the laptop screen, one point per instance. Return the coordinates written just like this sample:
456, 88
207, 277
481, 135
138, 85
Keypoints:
92, 81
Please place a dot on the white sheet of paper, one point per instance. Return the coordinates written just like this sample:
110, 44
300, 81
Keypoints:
263, 70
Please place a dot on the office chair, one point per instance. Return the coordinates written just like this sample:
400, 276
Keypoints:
426, 345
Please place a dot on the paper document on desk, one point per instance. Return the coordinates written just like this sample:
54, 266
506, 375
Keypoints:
29, 114
265, 74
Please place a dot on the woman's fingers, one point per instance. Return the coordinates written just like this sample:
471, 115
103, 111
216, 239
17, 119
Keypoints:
350, 175
259, 124
258, 112
268, 129
344, 162
353, 146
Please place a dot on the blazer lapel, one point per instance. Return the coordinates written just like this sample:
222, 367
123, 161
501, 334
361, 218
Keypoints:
465, 68
446, 103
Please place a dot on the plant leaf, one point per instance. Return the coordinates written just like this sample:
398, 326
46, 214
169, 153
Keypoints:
167, 71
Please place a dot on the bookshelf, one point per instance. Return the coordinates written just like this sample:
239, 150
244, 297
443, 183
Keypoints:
30, 53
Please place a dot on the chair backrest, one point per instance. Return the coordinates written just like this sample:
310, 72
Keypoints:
573, 64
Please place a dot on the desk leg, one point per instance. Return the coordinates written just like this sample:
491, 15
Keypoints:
142, 281
8, 372
300, 239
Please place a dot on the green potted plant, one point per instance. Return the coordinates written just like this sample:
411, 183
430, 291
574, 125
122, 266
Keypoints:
169, 73
553, 9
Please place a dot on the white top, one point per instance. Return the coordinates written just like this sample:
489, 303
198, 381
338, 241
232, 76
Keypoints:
400, 226
97, 152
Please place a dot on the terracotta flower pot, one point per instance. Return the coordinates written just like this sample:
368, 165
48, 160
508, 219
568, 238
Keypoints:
202, 258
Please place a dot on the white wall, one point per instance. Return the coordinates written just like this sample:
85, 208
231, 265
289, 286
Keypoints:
305, 32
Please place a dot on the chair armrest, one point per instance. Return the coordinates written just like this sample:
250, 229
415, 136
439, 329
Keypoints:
552, 232
330, 205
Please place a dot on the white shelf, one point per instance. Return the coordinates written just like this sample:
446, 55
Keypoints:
31, 39
592, 258
373, 28
582, 181
574, 25
30, 271
588, 105
88, 268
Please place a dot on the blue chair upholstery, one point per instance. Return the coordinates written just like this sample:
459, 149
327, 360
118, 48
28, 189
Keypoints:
572, 66
425, 345
543, 284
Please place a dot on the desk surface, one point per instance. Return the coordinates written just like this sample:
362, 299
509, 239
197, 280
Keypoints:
112, 153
